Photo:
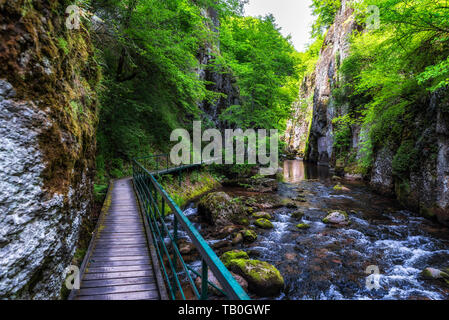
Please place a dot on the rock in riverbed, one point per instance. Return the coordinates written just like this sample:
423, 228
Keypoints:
337, 217
218, 209
263, 223
263, 278
434, 274
262, 214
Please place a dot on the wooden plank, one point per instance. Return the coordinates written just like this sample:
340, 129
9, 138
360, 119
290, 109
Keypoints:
96, 264
117, 254
120, 251
118, 289
143, 295
141, 267
126, 246
119, 269
121, 258
116, 275
116, 282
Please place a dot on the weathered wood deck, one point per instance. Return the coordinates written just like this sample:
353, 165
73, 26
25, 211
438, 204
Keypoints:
119, 264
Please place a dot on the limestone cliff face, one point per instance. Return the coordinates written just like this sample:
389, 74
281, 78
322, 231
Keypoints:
220, 82
335, 49
297, 131
425, 188
47, 145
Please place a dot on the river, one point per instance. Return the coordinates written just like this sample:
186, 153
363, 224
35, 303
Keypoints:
326, 262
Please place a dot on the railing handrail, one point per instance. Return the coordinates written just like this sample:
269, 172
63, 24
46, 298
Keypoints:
230, 286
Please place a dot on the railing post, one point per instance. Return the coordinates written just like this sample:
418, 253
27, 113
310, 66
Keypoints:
204, 281
175, 238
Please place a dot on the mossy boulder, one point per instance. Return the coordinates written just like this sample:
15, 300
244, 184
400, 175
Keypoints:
289, 203
303, 226
263, 278
249, 236
263, 223
238, 238
340, 187
262, 214
337, 217
434, 274
298, 214
218, 208
227, 257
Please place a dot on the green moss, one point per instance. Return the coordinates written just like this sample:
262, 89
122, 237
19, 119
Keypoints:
289, 203
263, 278
63, 44
338, 187
303, 226
298, 214
262, 214
263, 223
405, 159
228, 256
249, 235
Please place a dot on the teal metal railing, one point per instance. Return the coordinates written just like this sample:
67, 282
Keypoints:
177, 274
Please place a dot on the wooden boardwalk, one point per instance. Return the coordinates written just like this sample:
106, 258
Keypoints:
119, 264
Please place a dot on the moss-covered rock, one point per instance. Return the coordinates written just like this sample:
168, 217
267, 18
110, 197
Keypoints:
289, 203
303, 226
249, 236
263, 278
262, 214
263, 223
434, 274
238, 238
340, 187
298, 214
219, 209
227, 257
337, 217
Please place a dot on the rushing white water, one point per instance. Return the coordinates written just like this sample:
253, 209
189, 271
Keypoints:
325, 262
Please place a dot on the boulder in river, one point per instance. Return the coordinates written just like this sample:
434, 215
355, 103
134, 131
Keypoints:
262, 214
263, 223
434, 274
238, 238
263, 278
337, 217
302, 226
249, 236
218, 209
340, 187
212, 279
298, 214
232, 255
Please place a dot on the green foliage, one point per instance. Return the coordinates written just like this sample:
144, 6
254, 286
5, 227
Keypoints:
325, 11
405, 158
342, 132
389, 72
264, 64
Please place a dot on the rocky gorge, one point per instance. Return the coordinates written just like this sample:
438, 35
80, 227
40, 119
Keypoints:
412, 164
306, 239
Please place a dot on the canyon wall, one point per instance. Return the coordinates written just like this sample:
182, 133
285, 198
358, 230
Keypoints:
221, 82
424, 187
298, 126
48, 118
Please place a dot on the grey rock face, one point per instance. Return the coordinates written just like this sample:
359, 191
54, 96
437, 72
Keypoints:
335, 49
38, 230
220, 80
382, 173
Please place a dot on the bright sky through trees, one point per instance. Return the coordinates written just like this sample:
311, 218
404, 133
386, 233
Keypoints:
293, 16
